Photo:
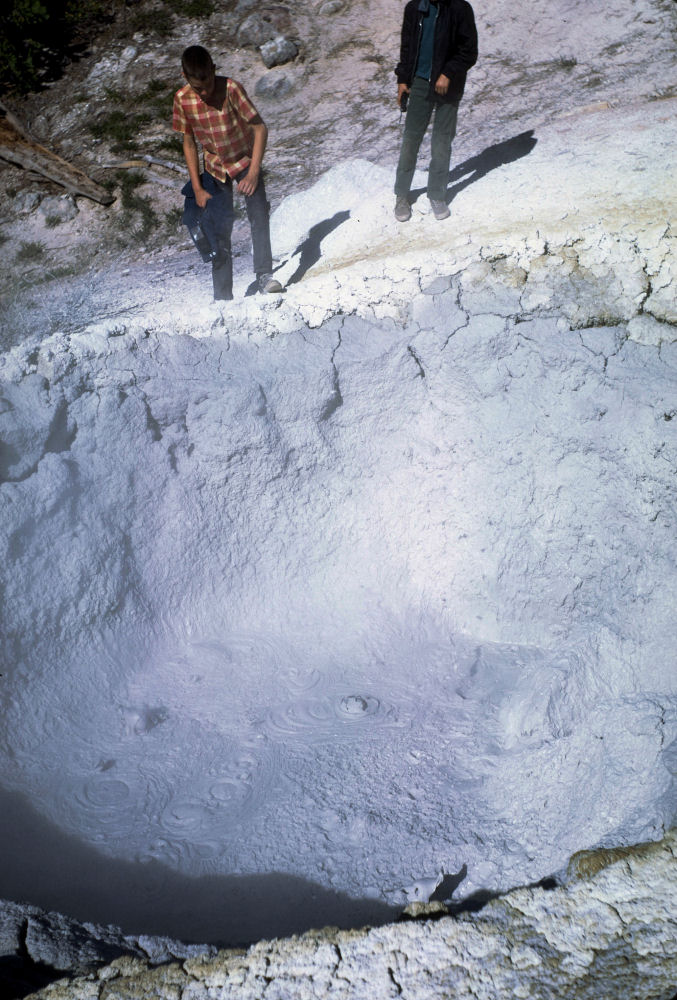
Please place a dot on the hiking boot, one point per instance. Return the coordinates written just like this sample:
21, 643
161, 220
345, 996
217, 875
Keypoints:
267, 283
440, 209
402, 208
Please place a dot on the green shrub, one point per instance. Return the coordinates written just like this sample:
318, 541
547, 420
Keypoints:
29, 251
195, 9
150, 21
23, 30
35, 36
38, 36
168, 147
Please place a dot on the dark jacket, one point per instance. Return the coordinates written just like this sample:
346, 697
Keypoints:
454, 48
208, 222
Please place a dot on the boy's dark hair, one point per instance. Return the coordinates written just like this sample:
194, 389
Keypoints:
197, 62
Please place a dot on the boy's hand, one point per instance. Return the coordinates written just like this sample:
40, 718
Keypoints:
202, 197
442, 85
249, 182
401, 89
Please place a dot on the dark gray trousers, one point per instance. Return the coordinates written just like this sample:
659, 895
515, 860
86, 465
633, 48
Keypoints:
258, 213
419, 112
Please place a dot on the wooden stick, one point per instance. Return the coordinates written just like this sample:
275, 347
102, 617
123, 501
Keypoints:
18, 147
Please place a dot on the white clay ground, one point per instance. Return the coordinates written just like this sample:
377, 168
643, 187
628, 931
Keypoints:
342, 591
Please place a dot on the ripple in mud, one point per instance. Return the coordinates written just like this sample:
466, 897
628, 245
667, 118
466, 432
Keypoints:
106, 792
334, 718
185, 817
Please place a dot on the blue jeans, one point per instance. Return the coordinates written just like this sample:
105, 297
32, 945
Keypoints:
419, 112
258, 213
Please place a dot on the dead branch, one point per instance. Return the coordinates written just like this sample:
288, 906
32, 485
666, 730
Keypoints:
144, 164
17, 146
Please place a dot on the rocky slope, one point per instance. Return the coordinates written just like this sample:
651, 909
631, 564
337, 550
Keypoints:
334, 100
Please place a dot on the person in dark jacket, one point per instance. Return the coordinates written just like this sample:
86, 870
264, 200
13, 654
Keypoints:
439, 46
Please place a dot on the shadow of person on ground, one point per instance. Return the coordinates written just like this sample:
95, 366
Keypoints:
448, 885
309, 250
498, 155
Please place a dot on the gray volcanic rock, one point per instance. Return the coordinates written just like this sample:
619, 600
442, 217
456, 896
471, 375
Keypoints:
35, 946
331, 7
263, 25
278, 51
59, 208
273, 85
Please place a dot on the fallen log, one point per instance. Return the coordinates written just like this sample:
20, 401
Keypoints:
17, 146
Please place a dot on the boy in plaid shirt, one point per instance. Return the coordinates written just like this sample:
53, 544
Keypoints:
216, 112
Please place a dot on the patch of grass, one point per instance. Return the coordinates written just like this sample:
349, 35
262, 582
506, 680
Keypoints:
121, 126
128, 181
172, 220
195, 9
152, 22
114, 95
120, 129
152, 90
66, 271
144, 221
170, 144
54, 274
29, 251
138, 218
158, 97
52, 221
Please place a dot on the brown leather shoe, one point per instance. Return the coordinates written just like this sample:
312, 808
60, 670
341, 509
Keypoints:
267, 283
402, 208
440, 209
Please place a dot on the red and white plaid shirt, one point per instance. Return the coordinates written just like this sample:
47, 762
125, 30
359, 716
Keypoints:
225, 134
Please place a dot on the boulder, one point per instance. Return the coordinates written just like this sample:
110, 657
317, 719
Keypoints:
278, 51
263, 25
26, 201
59, 208
273, 85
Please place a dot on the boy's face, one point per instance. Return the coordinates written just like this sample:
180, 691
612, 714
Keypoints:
203, 86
